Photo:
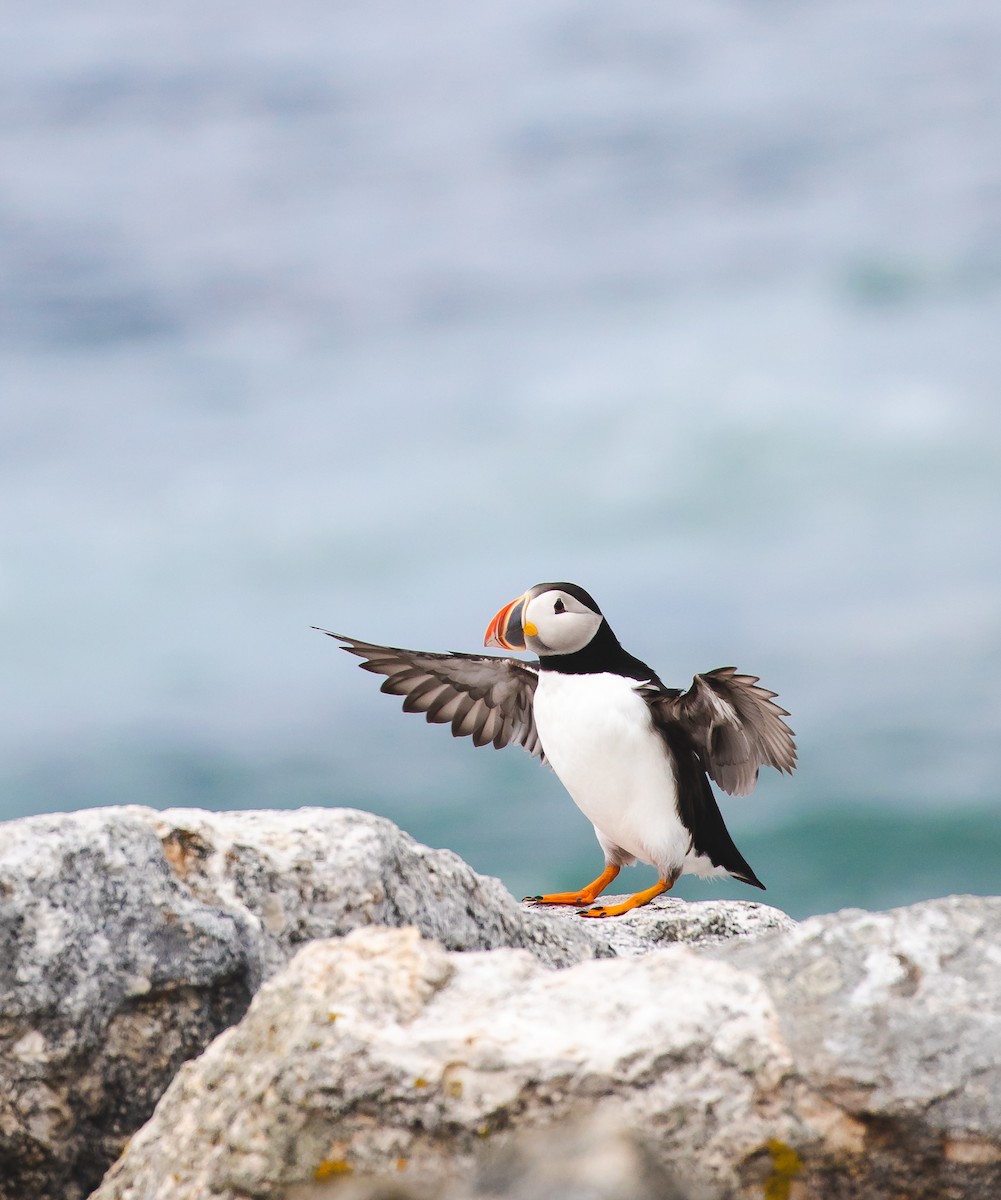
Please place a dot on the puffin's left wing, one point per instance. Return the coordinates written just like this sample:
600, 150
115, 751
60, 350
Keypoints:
734, 724
483, 696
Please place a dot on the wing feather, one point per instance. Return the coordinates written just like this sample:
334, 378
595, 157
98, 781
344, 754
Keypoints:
482, 696
734, 723
462, 711
420, 699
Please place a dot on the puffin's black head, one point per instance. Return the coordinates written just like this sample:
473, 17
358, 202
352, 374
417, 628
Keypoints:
550, 618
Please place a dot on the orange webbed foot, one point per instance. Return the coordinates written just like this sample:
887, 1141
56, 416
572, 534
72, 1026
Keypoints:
586, 895
636, 901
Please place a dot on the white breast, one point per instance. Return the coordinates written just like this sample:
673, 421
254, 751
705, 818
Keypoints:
598, 737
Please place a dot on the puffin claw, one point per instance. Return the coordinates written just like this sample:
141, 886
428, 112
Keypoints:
637, 901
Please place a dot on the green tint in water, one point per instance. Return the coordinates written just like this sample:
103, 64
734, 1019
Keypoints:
508, 818
859, 858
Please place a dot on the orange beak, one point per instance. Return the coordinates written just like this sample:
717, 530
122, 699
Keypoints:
506, 629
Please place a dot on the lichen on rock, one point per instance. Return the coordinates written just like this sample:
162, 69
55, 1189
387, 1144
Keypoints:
323, 1006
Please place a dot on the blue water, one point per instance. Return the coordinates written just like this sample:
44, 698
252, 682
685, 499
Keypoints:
372, 316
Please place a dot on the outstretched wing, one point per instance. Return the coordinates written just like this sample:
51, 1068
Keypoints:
733, 723
484, 696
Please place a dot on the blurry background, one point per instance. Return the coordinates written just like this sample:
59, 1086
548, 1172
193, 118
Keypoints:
370, 315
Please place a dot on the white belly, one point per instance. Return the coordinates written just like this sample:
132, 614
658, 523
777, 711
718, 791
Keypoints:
598, 737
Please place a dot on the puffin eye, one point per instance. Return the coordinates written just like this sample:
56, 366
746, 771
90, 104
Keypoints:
559, 607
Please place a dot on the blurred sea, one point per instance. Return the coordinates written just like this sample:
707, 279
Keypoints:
371, 316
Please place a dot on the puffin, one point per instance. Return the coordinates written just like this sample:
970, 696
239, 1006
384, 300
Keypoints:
635, 755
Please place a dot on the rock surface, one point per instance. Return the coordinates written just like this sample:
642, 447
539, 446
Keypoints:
855, 1056
895, 1017
381, 1052
710, 1050
130, 938
111, 975
584, 1157
317, 873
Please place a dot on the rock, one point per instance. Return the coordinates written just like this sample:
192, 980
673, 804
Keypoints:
129, 938
111, 975
590, 1157
316, 873
381, 1052
853, 1056
667, 922
895, 1019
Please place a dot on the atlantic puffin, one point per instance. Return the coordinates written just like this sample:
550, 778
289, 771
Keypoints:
635, 756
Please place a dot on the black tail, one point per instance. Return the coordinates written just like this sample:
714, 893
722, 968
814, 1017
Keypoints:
701, 816
712, 838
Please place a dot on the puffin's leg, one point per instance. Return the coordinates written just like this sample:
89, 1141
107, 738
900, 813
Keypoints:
637, 901
585, 895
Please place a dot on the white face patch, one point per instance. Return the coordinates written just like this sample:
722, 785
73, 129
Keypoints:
563, 624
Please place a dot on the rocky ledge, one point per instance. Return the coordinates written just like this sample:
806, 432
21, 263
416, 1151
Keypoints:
324, 1007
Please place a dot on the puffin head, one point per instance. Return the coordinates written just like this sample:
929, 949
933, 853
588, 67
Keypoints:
550, 618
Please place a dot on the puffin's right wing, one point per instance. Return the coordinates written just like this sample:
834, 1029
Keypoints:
483, 696
734, 723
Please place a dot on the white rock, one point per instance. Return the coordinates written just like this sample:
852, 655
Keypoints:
381, 1048
129, 938
854, 1056
314, 873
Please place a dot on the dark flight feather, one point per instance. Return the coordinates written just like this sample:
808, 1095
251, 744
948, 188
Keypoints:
482, 696
734, 725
